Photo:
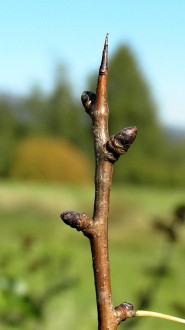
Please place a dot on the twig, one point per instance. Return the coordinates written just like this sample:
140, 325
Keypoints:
126, 310
107, 151
98, 111
159, 315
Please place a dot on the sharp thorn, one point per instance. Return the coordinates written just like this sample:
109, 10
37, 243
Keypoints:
104, 62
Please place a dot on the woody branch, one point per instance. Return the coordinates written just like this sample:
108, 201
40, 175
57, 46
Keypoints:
107, 151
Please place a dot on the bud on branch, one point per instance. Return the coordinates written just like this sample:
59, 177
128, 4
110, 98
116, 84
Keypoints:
88, 99
119, 144
76, 220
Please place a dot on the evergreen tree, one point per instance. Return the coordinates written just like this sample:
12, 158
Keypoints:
66, 116
60, 103
36, 110
8, 128
56, 115
131, 103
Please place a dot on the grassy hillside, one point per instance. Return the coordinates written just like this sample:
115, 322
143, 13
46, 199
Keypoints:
46, 279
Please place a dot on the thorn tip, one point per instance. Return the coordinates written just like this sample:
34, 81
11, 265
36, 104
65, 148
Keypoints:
104, 62
106, 39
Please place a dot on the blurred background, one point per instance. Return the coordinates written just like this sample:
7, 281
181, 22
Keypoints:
50, 53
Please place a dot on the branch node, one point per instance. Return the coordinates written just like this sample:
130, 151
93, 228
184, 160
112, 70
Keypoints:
119, 144
80, 222
124, 311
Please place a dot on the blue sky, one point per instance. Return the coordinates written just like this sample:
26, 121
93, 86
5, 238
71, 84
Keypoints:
36, 35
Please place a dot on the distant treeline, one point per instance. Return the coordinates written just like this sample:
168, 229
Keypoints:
41, 130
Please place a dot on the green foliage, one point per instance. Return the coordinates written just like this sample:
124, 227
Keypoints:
51, 160
62, 116
129, 97
7, 135
36, 108
131, 104
41, 259
7, 145
58, 114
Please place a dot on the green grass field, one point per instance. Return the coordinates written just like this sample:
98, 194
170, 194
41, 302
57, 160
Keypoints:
46, 279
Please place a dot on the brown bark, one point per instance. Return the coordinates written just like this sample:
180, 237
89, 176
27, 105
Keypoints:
103, 177
107, 151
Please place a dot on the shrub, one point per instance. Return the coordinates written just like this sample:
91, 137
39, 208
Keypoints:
50, 159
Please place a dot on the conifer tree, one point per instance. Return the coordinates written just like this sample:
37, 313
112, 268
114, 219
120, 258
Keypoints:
131, 102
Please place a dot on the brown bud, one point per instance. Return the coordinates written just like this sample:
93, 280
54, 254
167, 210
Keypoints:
76, 220
88, 99
70, 218
119, 144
